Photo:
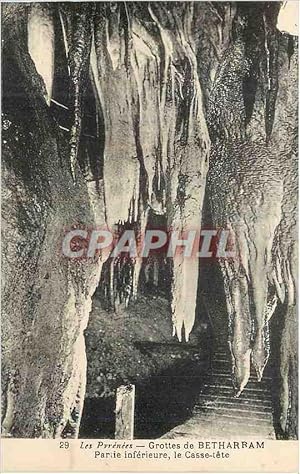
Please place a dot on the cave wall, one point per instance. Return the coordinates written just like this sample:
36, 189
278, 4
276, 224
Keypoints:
252, 188
167, 85
46, 298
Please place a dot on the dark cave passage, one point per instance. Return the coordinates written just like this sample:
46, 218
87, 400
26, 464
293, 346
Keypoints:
162, 403
136, 346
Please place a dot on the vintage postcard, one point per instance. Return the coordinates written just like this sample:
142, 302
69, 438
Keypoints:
149, 236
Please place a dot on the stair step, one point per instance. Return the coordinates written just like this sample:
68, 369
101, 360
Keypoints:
223, 416
227, 381
226, 367
251, 408
229, 391
218, 414
203, 430
234, 413
223, 433
226, 362
252, 378
223, 399
218, 361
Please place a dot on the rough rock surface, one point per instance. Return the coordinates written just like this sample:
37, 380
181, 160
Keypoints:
253, 193
46, 299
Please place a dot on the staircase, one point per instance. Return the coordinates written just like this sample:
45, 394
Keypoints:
218, 414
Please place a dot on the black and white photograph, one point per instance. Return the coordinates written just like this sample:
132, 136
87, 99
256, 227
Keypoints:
149, 223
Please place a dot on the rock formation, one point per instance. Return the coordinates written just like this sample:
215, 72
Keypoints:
113, 123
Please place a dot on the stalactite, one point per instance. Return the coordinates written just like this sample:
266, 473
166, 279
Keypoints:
253, 221
113, 83
79, 37
165, 144
183, 113
145, 63
252, 189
